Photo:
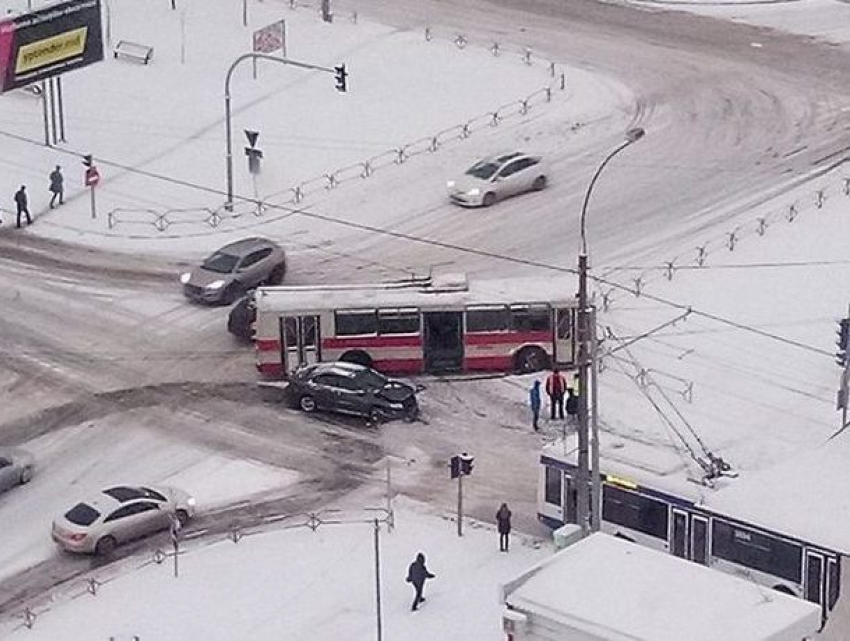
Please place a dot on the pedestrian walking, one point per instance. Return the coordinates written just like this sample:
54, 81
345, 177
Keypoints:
572, 404
416, 574
21, 203
556, 387
503, 519
57, 187
534, 404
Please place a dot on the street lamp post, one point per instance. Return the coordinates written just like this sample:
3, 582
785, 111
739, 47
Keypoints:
228, 205
585, 335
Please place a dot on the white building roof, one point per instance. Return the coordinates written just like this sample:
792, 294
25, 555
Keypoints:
448, 292
617, 590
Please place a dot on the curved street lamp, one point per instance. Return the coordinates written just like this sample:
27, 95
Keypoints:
584, 336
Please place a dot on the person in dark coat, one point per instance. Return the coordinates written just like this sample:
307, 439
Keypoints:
572, 404
534, 404
556, 387
416, 574
503, 519
57, 187
21, 203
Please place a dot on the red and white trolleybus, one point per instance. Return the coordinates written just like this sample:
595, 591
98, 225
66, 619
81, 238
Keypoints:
439, 325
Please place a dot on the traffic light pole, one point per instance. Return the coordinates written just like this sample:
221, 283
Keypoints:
228, 205
460, 505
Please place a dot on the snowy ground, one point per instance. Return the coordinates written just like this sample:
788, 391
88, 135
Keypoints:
755, 399
248, 590
827, 20
76, 463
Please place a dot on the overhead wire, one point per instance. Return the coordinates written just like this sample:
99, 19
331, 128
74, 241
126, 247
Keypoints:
288, 211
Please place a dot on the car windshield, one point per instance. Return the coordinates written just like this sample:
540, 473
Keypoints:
368, 379
482, 169
82, 514
221, 263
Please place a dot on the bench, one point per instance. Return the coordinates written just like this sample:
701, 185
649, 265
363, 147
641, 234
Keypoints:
133, 50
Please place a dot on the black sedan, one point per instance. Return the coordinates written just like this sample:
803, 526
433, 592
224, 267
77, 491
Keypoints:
348, 388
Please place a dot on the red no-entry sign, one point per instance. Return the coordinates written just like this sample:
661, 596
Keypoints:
92, 177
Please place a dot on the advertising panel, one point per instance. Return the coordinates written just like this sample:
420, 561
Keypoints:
49, 42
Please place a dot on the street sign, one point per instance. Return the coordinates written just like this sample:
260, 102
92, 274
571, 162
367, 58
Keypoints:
92, 177
252, 137
271, 38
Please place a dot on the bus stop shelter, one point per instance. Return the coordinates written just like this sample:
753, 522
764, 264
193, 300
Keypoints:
606, 588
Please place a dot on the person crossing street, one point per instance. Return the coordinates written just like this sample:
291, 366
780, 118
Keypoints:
57, 187
21, 205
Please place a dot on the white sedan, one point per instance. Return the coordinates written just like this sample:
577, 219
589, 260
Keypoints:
498, 177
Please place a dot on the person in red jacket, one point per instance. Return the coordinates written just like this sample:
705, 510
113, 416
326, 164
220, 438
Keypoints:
556, 387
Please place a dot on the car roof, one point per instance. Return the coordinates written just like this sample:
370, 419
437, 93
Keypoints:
341, 368
502, 157
247, 245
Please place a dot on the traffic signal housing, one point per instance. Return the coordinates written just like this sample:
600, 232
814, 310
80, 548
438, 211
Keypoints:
843, 341
454, 466
87, 160
466, 464
341, 78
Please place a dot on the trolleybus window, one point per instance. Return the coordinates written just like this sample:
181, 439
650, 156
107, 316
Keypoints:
398, 321
757, 551
565, 322
531, 318
356, 322
635, 512
553, 486
487, 319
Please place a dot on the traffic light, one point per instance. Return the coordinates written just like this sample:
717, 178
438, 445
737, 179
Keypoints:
454, 466
87, 160
466, 464
341, 78
843, 341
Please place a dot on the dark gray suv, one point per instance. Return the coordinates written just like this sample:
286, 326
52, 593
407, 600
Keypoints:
228, 273
351, 389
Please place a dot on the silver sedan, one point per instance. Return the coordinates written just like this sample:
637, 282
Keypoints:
16, 467
498, 177
234, 269
120, 514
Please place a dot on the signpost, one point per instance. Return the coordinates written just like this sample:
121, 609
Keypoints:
92, 178
460, 466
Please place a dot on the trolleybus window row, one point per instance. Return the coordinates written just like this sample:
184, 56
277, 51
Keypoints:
485, 318
730, 541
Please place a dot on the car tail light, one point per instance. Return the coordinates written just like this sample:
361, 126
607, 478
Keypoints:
76, 538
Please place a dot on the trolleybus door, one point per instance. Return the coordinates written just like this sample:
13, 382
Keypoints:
564, 336
815, 564
443, 341
679, 540
699, 540
300, 342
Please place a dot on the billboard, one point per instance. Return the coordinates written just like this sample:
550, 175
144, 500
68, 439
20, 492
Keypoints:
48, 42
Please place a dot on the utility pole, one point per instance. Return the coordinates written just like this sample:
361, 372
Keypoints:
843, 359
377, 532
460, 466
584, 354
596, 481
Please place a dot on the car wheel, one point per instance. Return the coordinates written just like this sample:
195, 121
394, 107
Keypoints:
376, 415
26, 475
531, 359
231, 293
182, 517
489, 199
277, 274
358, 357
411, 413
307, 404
105, 546
539, 183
